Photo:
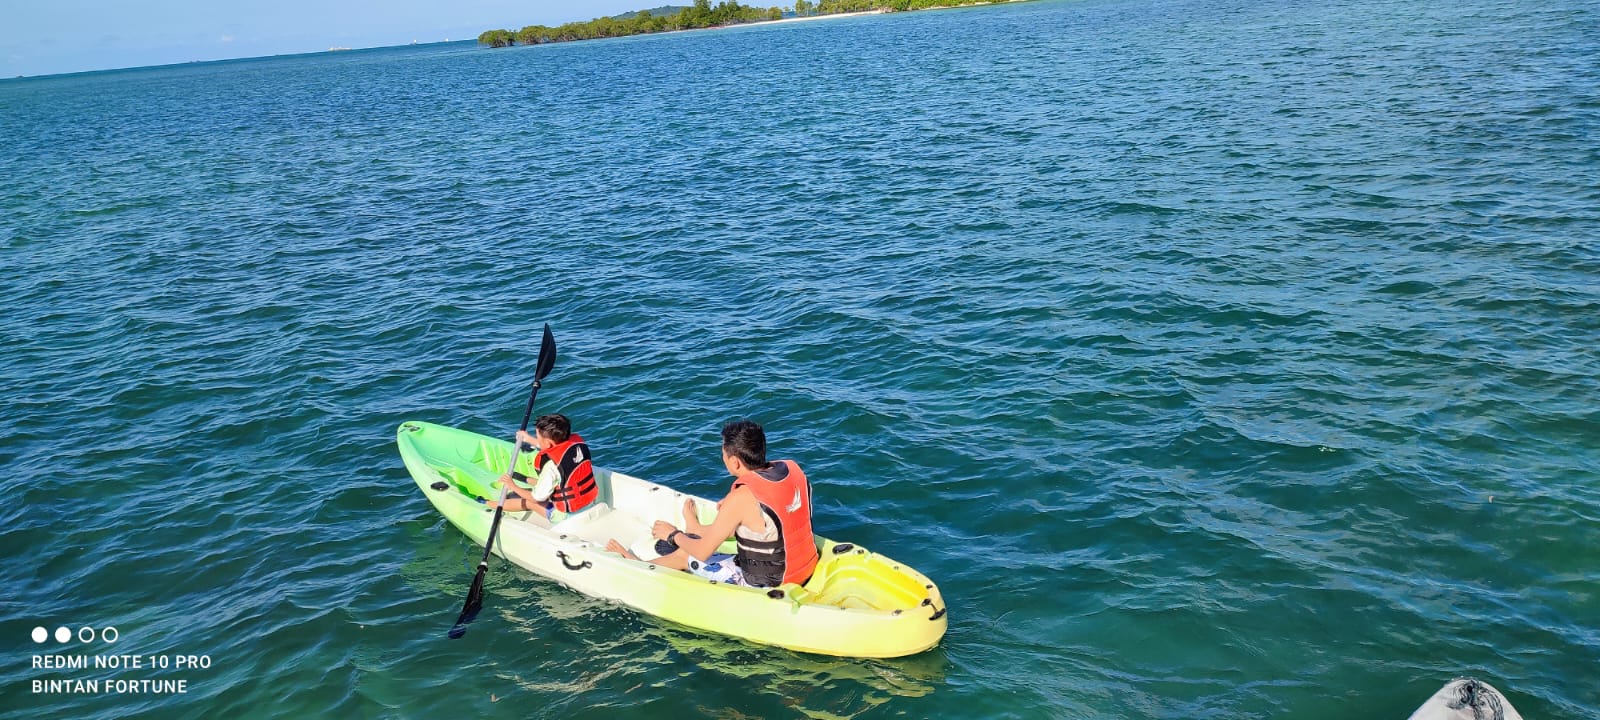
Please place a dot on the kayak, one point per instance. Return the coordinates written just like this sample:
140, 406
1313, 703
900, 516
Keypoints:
857, 603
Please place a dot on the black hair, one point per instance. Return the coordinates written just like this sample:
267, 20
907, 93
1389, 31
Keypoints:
744, 439
554, 426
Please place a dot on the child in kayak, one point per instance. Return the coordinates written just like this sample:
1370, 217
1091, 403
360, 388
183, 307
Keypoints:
767, 512
566, 482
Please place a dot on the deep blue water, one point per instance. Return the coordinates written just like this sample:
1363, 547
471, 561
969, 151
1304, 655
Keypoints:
1217, 359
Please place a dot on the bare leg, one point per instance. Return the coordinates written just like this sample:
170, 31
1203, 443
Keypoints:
677, 560
616, 547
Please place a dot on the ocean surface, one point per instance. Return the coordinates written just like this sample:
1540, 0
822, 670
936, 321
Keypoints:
1218, 359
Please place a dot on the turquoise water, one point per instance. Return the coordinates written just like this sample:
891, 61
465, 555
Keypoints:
1217, 359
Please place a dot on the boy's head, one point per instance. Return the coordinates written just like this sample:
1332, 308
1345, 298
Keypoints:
553, 427
744, 439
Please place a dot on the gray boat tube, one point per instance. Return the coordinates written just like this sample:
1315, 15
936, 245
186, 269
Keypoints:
1467, 699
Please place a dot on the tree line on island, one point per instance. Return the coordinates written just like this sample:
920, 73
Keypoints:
702, 14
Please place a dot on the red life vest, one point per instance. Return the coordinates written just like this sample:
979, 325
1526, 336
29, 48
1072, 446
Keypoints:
785, 498
577, 488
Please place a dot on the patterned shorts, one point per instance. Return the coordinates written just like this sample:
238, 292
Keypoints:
720, 568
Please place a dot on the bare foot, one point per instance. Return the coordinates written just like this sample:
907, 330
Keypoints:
616, 547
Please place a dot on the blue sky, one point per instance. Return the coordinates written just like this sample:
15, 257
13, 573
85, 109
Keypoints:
44, 37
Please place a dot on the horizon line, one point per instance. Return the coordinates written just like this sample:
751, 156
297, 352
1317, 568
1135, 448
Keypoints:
183, 63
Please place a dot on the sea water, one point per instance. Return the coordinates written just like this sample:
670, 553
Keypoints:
1217, 359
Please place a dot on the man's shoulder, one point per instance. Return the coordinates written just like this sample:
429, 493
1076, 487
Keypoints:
741, 496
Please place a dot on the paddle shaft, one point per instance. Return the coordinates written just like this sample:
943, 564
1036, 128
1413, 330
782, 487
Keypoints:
500, 509
474, 603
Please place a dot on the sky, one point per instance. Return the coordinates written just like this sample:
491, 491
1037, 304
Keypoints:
46, 37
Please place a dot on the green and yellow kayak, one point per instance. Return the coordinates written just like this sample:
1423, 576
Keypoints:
856, 604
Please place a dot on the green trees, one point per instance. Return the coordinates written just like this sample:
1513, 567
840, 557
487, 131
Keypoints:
699, 15
728, 12
496, 38
532, 35
829, 7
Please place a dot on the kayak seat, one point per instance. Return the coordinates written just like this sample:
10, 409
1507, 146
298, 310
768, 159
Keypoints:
862, 581
603, 522
602, 481
471, 481
579, 519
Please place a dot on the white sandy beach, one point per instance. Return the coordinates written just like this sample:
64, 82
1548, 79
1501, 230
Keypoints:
822, 17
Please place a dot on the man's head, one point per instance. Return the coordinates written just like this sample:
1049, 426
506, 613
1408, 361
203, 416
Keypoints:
743, 440
554, 428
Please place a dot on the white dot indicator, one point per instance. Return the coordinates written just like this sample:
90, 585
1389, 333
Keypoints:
63, 634
40, 634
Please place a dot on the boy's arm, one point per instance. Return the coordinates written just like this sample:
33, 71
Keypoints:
549, 477
541, 491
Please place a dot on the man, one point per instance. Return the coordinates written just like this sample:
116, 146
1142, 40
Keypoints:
566, 482
767, 512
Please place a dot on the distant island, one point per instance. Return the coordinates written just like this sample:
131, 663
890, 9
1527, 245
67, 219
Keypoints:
702, 14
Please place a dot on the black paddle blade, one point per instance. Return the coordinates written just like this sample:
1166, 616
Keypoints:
474, 605
547, 355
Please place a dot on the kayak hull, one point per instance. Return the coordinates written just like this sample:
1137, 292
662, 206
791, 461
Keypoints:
857, 603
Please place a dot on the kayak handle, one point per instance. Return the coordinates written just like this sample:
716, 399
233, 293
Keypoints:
571, 566
938, 612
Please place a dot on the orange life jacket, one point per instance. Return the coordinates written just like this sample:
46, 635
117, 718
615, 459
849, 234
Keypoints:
787, 499
577, 488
